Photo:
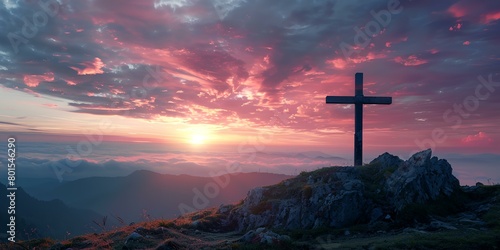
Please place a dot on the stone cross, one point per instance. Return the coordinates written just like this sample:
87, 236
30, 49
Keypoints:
358, 100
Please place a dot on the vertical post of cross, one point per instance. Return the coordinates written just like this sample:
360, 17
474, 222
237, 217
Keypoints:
358, 120
358, 100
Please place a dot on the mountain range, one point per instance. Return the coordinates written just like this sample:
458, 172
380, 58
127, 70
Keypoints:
144, 195
54, 219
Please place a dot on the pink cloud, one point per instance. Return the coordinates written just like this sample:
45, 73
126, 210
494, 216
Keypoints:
338, 63
456, 27
457, 10
50, 105
91, 68
412, 60
434, 51
34, 80
473, 12
70, 82
491, 17
369, 57
479, 138
466, 43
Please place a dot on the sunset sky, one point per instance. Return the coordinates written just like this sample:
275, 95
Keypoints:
240, 75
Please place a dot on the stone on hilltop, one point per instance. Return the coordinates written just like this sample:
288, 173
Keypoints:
419, 179
343, 196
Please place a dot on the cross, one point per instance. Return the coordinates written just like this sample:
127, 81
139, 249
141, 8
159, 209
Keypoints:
358, 100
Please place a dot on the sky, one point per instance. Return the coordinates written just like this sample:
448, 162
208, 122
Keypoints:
240, 76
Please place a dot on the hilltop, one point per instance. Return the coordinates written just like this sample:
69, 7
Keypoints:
386, 204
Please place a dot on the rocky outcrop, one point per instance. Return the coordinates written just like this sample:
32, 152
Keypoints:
343, 196
419, 179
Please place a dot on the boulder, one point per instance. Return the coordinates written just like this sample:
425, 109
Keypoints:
342, 196
420, 179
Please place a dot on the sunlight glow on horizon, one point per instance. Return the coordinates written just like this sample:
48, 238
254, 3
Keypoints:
197, 139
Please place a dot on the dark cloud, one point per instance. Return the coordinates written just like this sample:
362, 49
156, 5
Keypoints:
10, 123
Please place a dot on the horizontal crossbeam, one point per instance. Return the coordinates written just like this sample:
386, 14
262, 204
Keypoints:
355, 99
377, 100
340, 99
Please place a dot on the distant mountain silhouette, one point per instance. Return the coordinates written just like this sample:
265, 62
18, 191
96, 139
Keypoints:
36, 186
144, 195
318, 154
35, 218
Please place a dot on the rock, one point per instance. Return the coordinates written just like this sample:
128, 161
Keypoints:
420, 179
347, 233
348, 197
170, 244
134, 236
223, 209
483, 208
284, 238
260, 230
133, 241
468, 221
195, 223
467, 215
267, 239
310, 180
160, 229
435, 225
376, 214
387, 160
248, 236
352, 185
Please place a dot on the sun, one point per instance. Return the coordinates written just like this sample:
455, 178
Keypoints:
197, 139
